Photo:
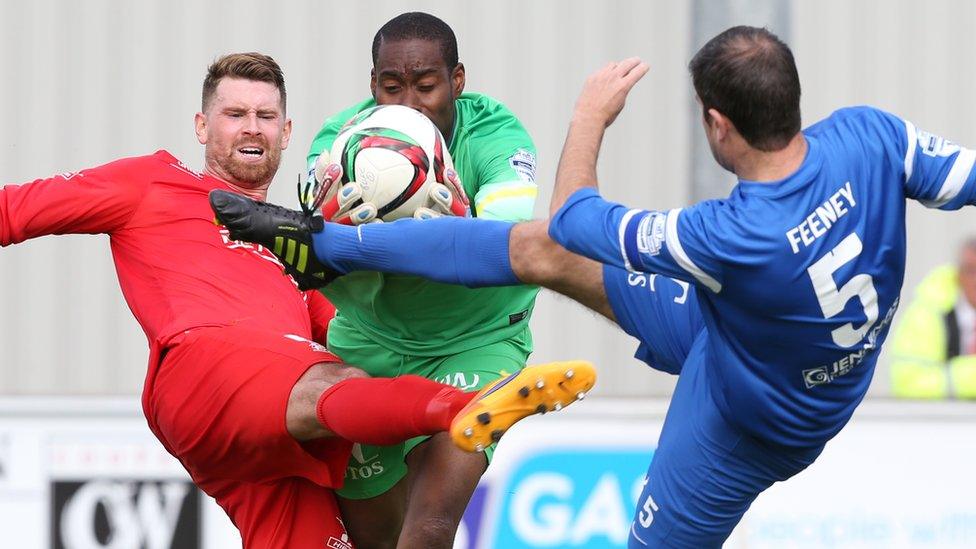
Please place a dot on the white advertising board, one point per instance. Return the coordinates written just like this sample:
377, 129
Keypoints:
87, 474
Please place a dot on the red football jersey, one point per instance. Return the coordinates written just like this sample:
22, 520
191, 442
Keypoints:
177, 268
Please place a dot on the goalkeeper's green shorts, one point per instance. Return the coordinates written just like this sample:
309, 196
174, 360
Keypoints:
373, 470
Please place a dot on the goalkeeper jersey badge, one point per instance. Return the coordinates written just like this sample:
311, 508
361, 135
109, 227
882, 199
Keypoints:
523, 162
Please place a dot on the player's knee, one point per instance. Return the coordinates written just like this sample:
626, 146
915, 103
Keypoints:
301, 416
349, 372
326, 374
319, 378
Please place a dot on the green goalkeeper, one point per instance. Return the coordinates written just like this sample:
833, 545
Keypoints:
415, 493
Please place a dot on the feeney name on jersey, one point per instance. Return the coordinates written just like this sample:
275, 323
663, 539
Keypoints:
822, 219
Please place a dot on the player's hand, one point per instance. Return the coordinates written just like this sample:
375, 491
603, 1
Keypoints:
446, 198
321, 184
348, 208
605, 91
460, 205
336, 201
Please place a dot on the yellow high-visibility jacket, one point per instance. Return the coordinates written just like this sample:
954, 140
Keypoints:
926, 362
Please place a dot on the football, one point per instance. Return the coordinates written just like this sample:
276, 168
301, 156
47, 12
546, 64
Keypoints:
395, 154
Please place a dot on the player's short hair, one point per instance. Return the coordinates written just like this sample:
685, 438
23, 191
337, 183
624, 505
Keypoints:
247, 66
416, 24
748, 74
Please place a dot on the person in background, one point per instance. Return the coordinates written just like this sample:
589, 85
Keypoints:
934, 346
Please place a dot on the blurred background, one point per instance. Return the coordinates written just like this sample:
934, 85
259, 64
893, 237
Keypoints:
89, 82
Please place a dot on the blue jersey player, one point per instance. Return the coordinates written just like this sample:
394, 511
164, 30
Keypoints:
798, 272
795, 275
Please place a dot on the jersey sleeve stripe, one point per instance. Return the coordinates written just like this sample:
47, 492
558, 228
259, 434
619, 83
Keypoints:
954, 182
910, 152
679, 255
520, 193
625, 238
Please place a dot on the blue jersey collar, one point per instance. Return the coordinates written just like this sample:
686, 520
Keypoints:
803, 175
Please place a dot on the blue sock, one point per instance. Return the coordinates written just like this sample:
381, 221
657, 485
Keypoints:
453, 250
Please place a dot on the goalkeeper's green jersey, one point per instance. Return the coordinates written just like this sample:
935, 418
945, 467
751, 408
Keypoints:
495, 158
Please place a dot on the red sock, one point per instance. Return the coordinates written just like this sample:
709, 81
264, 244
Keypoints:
384, 411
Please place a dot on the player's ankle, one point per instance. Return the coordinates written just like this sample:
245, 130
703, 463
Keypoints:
445, 405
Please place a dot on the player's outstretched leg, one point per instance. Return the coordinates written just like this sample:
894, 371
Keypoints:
534, 390
453, 250
287, 233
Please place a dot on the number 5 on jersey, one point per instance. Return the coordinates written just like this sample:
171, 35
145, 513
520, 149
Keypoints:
832, 300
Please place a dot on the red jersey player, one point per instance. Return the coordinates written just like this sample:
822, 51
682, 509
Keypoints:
237, 389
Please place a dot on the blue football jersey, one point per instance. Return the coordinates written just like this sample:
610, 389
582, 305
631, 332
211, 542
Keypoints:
799, 278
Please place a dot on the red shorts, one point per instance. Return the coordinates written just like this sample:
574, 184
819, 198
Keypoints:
217, 402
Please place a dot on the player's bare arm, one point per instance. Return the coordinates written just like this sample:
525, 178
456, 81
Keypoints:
537, 259
598, 105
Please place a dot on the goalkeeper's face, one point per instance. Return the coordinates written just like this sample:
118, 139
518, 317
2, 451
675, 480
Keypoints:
413, 72
244, 130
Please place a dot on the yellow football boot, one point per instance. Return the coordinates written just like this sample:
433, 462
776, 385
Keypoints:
534, 390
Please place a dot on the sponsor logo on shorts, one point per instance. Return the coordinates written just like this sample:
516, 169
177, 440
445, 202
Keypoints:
461, 380
368, 466
523, 162
68, 175
645, 280
342, 542
645, 514
517, 317
650, 233
125, 513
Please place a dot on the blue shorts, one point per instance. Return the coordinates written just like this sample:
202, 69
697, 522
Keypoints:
705, 473
662, 313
